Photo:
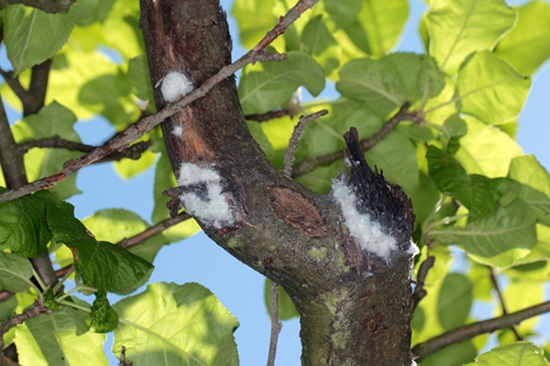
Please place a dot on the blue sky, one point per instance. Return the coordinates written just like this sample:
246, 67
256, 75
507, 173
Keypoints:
198, 259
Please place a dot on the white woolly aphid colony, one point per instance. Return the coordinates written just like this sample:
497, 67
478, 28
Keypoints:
368, 233
209, 205
174, 85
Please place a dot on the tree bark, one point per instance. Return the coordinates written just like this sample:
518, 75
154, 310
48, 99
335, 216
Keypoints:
354, 306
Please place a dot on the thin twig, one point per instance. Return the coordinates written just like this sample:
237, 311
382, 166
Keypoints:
14, 84
276, 326
144, 125
152, 231
470, 331
501, 300
133, 152
419, 291
268, 116
295, 138
403, 114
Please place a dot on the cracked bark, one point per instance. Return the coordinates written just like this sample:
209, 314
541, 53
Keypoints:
354, 308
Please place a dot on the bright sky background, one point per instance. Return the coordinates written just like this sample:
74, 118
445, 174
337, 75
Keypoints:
198, 259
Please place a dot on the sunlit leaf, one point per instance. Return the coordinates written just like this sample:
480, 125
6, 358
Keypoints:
269, 85
254, 19
15, 272
51, 339
32, 36
343, 13
458, 28
527, 45
169, 324
521, 294
491, 89
128, 168
517, 354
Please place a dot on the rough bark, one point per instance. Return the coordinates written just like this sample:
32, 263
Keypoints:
354, 307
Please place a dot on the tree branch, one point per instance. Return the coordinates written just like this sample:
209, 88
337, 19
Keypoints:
144, 125
49, 6
469, 331
37, 88
419, 292
403, 114
14, 84
152, 231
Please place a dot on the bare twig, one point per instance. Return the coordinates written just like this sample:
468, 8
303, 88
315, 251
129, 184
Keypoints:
403, 114
469, 331
14, 84
276, 326
144, 125
295, 138
494, 281
419, 292
123, 361
133, 152
32, 312
264, 117
152, 231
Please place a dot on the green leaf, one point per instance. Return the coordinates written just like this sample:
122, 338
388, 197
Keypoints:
128, 168
287, 310
269, 85
102, 265
254, 19
455, 126
15, 273
316, 37
455, 300
375, 82
491, 89
139, 79
33, 36
87, 12
459, 27
476, 192
118, 224
169, 324
52, 120
535, 188
343, 13
104, 317
23, 227
51, 339
500, 239
378, 26
516, 354
486, 150
521, 294
455, 354
527, 45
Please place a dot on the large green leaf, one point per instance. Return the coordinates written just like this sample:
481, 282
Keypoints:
316, 37
500, 239
516, 354
535, 188
23, 227
169, 324
343, 13
118, 224
378, 26
51, 339
269, 85
459, 27
491, 89
486, 149
286, 308
527, 45
15, 272
455, 300
52, 120
33, 36
101, 265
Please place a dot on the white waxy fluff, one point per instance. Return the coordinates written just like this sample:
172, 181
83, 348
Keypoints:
175, 85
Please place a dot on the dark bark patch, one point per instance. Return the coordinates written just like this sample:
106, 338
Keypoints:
375, 324
298, 211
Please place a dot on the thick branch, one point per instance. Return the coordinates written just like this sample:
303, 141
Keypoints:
36, 95
49, 6
10, 159
469, 331
403, 114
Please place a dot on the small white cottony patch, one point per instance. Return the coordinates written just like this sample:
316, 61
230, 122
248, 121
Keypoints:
413, 249
209, 205
175, 85
367, 232
177, 131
